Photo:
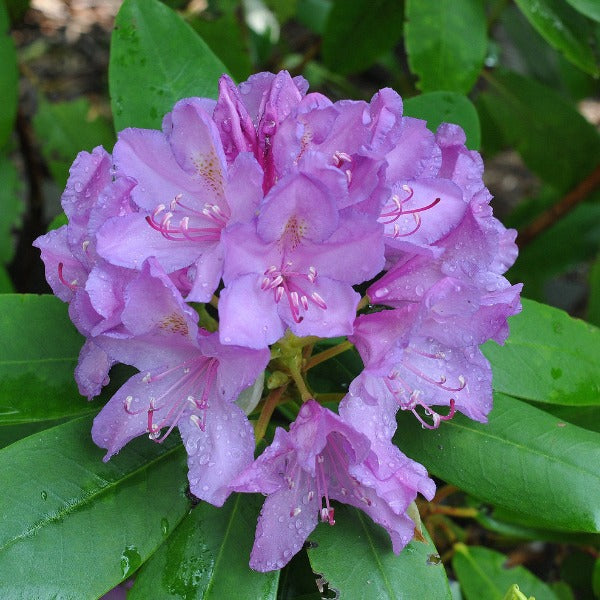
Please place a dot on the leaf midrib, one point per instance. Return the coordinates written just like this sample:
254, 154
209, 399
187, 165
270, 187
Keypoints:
86, 500
390, 589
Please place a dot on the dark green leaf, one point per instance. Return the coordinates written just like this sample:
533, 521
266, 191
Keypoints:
446, 107
587, 417
553, 139
72, 526
596, 578
314, 14
12, 433
38, 353
510, 526
283, 9
58, 221
590, 8
572, 240
482, 574
548, 357
523, 460
11, 207
563, 28
224, 37
356, 559
156, 59
593, 307
446, 43
65, 129
297, 581
207, 557
357, 32
540, 61
335, 375
17, 9
9, 78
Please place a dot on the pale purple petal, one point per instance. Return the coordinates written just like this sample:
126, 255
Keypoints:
91, 373
247, 314
218, 452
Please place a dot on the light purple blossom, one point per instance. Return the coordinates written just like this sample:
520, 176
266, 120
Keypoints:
187, 380
324, 458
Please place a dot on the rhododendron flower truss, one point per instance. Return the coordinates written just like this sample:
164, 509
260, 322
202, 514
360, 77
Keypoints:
277, 218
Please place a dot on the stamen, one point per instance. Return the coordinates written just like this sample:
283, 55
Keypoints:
73, 285
392, 213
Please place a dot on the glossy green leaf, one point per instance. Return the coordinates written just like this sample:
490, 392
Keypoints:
9, 77
373, 26
446, 107
590, 8
65, 129
38, 354
355, 557
11, 207
523, 460
548, 357
552, 137
565, 29
207, 557
446, 43
72, 526
156, 59
482, 574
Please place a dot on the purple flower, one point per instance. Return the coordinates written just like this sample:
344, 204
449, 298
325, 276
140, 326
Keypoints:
187, 380
185, 196
324, 458
295, 266
92, 287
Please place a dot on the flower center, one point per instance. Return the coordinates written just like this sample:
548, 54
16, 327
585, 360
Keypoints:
292, 284
189, 392
410, 398
182, 222
394, 211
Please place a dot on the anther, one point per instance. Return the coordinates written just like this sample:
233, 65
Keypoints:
318, 300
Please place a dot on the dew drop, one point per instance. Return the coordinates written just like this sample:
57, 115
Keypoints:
164, 525
130, 560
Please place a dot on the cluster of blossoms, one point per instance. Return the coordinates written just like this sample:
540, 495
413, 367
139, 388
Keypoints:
233, 240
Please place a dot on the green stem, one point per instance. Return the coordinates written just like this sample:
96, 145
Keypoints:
327, 354
271, 402
305, 393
